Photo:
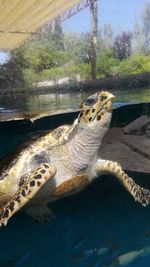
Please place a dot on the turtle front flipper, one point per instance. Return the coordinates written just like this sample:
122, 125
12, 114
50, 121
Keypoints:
30, 187
140, 194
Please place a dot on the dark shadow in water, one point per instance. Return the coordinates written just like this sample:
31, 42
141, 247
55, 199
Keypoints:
104, 216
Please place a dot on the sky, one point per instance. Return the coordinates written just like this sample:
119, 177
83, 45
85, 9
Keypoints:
3, 57
120, 14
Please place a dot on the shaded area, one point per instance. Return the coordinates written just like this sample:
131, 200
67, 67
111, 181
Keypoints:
102, 216
19, 21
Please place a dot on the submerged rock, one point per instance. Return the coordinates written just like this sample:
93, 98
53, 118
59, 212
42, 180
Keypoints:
130, 146
138, 126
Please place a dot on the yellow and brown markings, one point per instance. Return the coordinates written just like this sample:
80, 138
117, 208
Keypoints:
140, 194
30, 187
95, 107
11, 165
71, 186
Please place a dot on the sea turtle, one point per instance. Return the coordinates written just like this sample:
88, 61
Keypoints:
62, 162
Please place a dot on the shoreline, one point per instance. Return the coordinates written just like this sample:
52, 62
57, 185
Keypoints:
140, 80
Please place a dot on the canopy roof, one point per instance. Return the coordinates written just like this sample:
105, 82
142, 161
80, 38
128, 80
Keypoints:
20, 18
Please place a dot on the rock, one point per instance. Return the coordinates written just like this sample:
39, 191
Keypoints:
148, 131
138, 127
132, 152
139, 144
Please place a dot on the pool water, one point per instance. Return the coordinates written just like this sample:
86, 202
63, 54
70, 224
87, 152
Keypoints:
100, 227
90, 229
19, 105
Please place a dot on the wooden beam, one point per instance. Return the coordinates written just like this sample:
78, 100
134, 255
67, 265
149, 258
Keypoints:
93, 26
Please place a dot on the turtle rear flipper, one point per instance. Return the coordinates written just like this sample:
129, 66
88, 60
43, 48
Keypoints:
30, 187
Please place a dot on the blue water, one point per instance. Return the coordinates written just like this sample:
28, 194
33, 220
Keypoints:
91, 229
103, 216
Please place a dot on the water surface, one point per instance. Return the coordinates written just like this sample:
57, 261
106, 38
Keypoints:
22, 105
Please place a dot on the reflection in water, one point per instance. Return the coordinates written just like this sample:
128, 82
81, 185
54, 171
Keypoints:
16, 104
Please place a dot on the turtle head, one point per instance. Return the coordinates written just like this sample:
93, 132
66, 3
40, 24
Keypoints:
96, 110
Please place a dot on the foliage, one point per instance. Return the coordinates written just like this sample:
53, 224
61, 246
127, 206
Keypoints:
53, 54
106, 63
30, 76
67, 71
40, 57
58, 34
33, 65
52, 74
79, 46
122, 46
135, 64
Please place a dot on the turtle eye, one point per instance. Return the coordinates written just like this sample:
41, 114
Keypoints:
103, 97
90, 101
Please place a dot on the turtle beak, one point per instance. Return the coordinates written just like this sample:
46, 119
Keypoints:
110, 96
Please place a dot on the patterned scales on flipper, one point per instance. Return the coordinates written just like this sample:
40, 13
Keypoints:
30, 187
139, 193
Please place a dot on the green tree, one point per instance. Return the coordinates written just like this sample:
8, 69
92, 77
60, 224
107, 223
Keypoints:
78, 46
135, 64
58, 36
106, 63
